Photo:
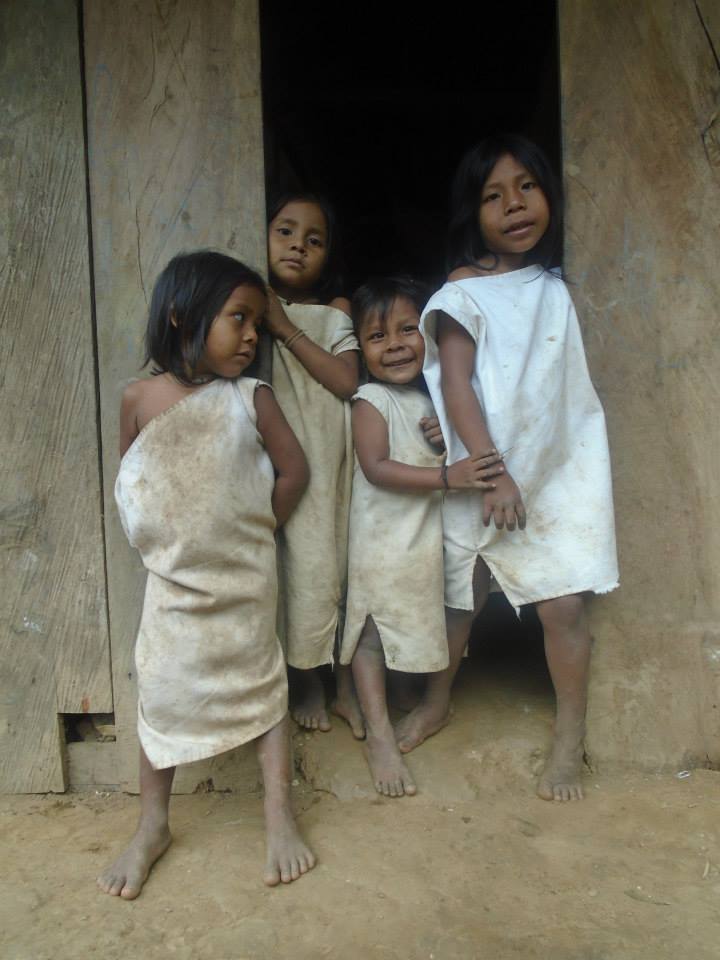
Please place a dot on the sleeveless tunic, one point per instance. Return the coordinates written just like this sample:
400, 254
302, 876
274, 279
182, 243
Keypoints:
194, 495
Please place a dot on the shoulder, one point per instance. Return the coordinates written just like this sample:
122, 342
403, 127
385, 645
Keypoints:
370, 391
342, 304
462, 273
138, 392
376, 394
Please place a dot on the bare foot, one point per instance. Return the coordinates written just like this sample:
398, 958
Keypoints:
561, 776
126, 876
287, 856
390, 775
417, 726
347, 707
309, 701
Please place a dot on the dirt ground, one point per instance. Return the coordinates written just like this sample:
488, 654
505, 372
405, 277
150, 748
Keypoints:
472, 868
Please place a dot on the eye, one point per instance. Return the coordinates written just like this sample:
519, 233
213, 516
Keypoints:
529, 184
315, 242
240, 317
284, 231
376, 335
410, 328
490, 196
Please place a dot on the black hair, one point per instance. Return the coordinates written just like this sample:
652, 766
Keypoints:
465, 240
186, 298
331, 280
379, 294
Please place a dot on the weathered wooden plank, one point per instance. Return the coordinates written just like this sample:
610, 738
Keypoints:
639, 84
53, 626
175, 156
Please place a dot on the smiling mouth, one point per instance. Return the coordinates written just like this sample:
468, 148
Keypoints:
399, 363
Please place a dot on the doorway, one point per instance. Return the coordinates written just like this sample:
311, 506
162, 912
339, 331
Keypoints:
374, 105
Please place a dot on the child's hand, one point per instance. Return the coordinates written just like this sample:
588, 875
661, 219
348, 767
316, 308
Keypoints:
504, 505
430, 427
475, 472
277, 322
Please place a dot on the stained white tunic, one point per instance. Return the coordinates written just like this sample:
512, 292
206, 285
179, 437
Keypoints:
194, 495
312, 546
542, 412
396, 545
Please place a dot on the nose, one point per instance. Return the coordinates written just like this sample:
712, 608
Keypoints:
297, 244
393, 342
515, 201
250, 334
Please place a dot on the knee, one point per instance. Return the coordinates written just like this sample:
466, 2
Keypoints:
562, 613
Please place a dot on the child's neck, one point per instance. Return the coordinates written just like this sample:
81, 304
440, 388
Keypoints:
293, 295
497, 263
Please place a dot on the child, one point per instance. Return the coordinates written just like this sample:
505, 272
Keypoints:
315, 370
209, 468
505, 366
395, 593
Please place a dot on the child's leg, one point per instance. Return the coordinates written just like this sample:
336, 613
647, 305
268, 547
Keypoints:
567, 649
346, 703
287, 856
126, 876
390, 775
433, 711
308, 699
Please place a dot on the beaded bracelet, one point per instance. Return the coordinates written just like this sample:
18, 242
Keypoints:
293, 338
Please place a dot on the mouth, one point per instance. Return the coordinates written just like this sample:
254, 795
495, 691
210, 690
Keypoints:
399, 363
293, 262
519, 229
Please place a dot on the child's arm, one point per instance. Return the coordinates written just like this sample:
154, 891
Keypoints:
338, 374
457, 360
370, 436
128, 416
286, 454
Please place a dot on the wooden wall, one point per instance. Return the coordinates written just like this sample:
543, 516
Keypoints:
640, 86
54, 654
176, 163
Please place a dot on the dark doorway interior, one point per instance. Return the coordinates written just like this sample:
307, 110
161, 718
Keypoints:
374, 104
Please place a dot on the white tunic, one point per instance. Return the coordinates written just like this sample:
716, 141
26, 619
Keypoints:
194, 495
542, 412
312, 546
395, 563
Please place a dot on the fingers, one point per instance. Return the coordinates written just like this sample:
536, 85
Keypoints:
521, 515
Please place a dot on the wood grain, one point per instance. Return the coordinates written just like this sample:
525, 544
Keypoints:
176, 163
53, 622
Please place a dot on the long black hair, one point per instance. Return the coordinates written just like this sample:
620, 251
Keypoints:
466, 244
187, 296
331, 280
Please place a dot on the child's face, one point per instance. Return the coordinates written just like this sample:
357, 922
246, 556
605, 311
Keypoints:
394, 351
231, 342
297, 246
514, 212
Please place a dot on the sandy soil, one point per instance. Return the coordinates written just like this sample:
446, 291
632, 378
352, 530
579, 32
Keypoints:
473, 867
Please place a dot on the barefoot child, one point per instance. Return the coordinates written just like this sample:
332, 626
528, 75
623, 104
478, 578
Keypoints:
315, 371
395, 613
505, 366
209, 469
